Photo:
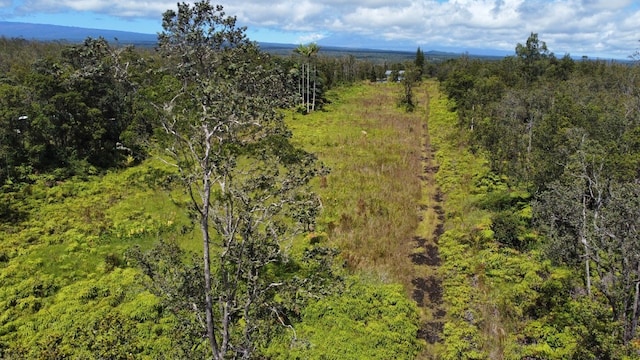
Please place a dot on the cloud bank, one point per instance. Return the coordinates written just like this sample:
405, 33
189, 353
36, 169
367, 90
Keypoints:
605, 28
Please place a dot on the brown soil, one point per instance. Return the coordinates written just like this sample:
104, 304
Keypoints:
431, 331
438, 232
420, 241
431, 256
427, 289
432, 287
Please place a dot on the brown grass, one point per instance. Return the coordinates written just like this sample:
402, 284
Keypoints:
382, 206
372, 196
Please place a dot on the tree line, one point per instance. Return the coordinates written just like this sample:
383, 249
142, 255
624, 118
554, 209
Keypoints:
567, 131
72, 109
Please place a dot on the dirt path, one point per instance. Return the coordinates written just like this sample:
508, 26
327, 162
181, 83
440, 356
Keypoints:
427, 283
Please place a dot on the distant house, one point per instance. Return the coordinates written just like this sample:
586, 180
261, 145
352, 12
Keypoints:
393, 75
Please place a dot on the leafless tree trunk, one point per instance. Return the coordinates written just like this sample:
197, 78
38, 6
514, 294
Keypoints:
204, 228
636, 299
313, 102
307, 91
585, 244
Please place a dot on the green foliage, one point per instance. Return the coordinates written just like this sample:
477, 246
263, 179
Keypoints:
420, 63
532, 55
525, 123
529, 127
366, 321
511, 212
409, 80
593, 229
565, 132
310, 91
248, 184
570, 328
67, 112
68, 289
89, 318
66, 286
502, 295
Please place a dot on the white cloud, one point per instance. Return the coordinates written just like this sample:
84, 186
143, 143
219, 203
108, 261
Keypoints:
309, 38
607, 27
118, 8
606, 4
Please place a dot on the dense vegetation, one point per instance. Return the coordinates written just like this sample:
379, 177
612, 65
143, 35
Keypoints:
193, 202
97, 254
556, 252
65, 109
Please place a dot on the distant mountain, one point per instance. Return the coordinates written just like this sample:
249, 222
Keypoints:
44, 32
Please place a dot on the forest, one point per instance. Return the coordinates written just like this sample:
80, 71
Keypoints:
561, 139
207, 199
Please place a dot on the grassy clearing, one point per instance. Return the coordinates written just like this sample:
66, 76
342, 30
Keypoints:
371, 201
371, 197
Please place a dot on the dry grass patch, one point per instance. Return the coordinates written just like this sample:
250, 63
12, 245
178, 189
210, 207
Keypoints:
372, 196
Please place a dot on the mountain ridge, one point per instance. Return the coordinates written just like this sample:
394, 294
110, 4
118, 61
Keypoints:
72, 34
44, 32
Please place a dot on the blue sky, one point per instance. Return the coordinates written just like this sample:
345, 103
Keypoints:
597, 28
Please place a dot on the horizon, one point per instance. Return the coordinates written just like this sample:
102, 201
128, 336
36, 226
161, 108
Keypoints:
72, 34
593, 28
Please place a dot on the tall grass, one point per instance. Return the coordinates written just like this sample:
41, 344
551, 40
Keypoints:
371, 198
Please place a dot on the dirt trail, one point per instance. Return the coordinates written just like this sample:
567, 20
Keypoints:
427, 283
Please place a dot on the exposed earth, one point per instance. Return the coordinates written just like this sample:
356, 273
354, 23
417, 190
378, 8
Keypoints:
427, 285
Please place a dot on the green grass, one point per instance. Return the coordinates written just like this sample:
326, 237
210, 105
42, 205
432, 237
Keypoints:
369, 320
372, 194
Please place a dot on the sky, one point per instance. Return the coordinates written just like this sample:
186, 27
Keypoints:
596, 28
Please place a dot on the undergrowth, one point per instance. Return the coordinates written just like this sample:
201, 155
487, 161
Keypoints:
504, 299
65, 270
68, 289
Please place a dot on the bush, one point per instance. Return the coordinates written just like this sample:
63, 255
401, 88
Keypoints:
506, 228
367, 321
112, 261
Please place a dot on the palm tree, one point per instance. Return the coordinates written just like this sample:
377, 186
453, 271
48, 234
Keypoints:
302, 50
314, 49
307, 52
